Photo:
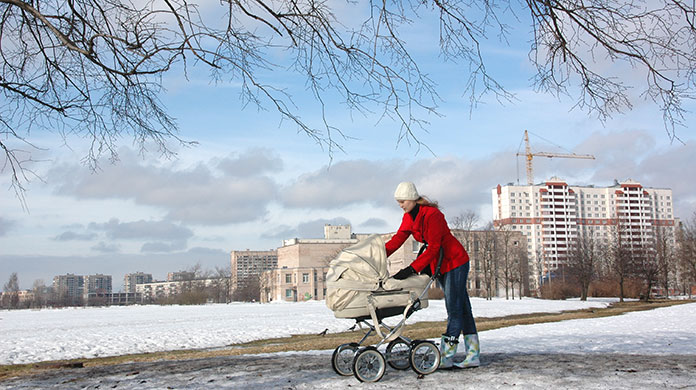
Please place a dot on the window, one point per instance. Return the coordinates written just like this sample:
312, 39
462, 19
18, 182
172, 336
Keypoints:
288, 293
288, 278
305, 278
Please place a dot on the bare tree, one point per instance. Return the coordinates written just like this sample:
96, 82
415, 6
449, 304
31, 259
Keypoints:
621, 259
249, 290
94, 68
665, 252
583, 258
40, 293
466, 222
489, 260
222, 285
686, 254
509, 267
10, 297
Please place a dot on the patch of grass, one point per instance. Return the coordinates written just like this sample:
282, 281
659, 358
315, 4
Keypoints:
420, 330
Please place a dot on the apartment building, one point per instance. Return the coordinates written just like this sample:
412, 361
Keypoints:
69, 287
97, 285
249, 264
132, 279
551, 215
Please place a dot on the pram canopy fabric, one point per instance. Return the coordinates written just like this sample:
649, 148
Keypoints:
360, 267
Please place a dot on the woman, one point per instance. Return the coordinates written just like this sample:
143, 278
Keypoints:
427, 224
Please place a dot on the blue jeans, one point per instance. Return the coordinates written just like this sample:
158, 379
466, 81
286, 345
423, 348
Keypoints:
460, 320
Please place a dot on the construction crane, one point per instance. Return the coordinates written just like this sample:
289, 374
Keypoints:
529, 155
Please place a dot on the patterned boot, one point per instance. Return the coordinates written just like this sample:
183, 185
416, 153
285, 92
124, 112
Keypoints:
448, 347
471, 343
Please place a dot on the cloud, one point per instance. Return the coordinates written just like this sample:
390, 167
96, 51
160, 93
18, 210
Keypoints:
106, 248
163, 246
458, 183
342, 184
201, 194
166, 236
142, 229
5, 226
309, 229
374, 223
252, 162
72, 236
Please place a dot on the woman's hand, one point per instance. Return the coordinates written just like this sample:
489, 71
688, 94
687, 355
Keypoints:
404, 273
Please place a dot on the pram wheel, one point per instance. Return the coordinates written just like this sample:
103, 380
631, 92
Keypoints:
369, 365
398, 354
342, 359
425, 357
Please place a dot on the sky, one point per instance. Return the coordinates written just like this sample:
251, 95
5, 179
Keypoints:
252, 180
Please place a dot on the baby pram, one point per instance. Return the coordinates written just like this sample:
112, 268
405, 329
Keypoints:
359, 288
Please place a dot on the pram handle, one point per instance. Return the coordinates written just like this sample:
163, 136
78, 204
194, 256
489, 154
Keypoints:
439, 263
439, 260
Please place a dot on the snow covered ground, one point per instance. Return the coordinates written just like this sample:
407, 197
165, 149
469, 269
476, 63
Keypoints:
638, 350
28, 336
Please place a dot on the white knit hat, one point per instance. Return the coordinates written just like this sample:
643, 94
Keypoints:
406, 191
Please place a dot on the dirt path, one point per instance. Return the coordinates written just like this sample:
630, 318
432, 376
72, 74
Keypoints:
313, 371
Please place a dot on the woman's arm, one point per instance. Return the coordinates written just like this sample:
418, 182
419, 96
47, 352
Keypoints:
400, 237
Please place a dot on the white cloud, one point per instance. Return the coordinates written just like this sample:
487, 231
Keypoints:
142, 229
5, 226
196, 195
103, 247
73, 236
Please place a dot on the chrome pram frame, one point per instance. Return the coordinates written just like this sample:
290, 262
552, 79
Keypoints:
367, 363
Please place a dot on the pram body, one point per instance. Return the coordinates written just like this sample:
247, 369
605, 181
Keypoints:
359, 288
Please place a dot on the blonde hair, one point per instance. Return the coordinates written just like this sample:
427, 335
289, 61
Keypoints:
424, 201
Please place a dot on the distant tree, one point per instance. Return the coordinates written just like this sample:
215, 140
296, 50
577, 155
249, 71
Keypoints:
622, 258
489, 260
10, 297
40, 295
583, 259
249, 290
466, 222
665, 253
222, 285
686, 253
94, 69
509, 266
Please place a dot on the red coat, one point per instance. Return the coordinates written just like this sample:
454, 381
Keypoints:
430, 226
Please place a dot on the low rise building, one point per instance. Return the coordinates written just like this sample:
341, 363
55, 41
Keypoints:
303, 264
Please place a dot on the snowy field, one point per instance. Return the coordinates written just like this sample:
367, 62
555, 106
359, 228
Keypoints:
28, 336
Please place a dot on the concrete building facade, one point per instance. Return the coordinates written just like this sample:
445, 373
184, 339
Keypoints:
550, 215
302, 266
69, 287
250, 264
133, 279
97, 285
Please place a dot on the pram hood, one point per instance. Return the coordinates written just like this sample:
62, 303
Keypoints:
359, 267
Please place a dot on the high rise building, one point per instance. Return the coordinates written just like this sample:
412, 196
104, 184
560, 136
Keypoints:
97, 286
247, 264
553, 213
69, 287
130, 280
